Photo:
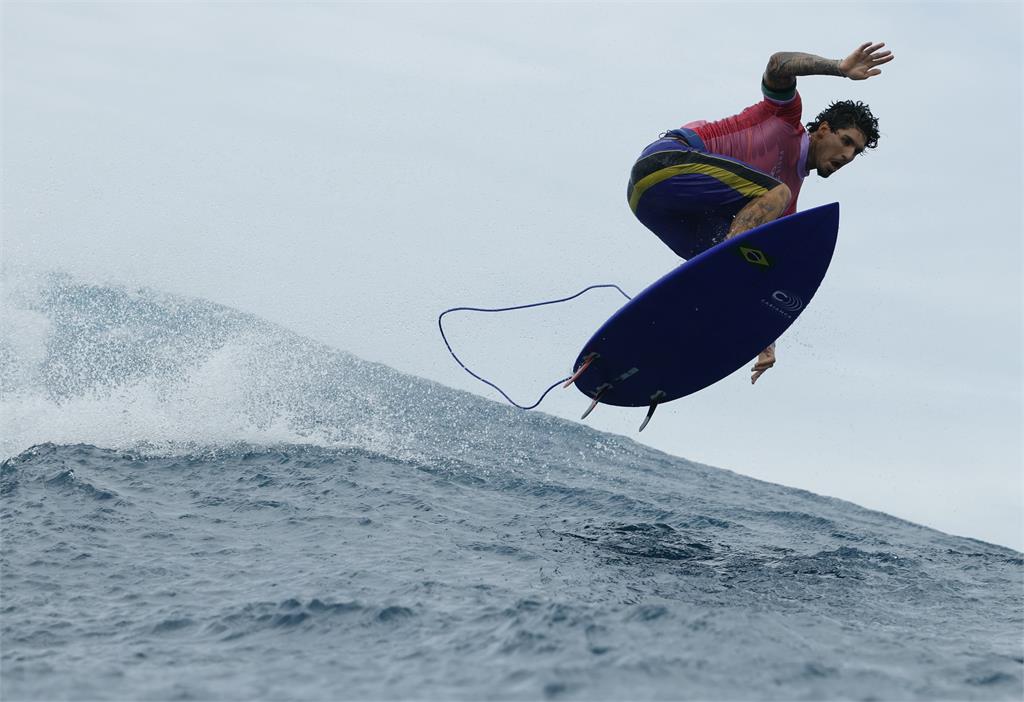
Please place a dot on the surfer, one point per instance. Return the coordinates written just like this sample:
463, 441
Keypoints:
710, 181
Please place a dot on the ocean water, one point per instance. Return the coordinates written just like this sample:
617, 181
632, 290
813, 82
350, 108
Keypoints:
197, 504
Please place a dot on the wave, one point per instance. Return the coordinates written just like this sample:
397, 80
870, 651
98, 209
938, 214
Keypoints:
193, 484
150, 374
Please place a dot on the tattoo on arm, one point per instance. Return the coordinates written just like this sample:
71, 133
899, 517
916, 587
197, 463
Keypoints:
785, 66
755, 213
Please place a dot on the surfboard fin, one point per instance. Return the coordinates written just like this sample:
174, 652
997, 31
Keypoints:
655, 399
597, 398
587, 360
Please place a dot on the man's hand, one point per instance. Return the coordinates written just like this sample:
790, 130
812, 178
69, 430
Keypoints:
784, 66
765, 360
864, 61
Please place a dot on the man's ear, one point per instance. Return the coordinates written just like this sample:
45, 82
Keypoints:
824, 126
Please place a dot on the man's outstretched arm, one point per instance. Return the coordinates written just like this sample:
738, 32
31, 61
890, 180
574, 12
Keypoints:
863, 63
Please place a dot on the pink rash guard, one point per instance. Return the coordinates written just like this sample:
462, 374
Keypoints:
767, 136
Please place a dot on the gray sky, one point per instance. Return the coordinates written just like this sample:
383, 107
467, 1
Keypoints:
350, 170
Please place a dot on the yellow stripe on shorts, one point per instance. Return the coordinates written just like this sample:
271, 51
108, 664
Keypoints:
745, 187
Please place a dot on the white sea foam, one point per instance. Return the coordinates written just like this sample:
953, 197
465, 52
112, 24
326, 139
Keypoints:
137, 369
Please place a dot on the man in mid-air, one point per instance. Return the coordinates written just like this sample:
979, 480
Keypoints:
709, 181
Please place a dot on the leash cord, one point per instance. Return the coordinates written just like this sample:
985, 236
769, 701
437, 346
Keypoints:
440, 326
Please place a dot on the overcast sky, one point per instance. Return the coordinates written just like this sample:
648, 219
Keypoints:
350, 170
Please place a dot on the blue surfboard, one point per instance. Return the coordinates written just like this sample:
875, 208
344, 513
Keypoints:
711, 315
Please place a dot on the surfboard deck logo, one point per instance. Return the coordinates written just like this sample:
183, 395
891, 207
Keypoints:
755, 256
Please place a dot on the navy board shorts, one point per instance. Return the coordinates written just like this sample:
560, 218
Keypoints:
687, 196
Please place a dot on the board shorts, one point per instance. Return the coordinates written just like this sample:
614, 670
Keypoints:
687, 196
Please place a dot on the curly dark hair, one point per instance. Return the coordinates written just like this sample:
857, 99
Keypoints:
844, 114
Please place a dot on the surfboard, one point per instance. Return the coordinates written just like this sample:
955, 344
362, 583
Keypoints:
709, 316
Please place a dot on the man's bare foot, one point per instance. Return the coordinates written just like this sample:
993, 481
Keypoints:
765, 360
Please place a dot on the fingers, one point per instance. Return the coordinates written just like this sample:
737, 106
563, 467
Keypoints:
871, 51
765, 360
758, 370
878, 62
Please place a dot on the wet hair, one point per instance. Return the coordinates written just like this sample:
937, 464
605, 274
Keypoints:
844, 114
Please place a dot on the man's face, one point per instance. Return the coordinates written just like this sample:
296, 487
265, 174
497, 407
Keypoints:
836, 148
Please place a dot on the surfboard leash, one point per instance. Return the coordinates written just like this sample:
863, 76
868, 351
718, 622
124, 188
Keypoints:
561, 381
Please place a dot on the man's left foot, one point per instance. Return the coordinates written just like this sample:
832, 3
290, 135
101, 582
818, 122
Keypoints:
765, 360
